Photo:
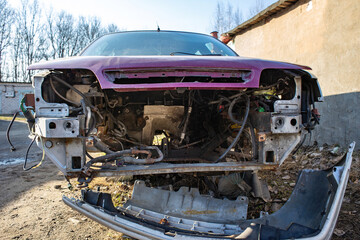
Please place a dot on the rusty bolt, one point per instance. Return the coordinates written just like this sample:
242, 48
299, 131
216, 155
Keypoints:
164, 221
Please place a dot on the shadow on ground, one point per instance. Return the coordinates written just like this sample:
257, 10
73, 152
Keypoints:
13, 179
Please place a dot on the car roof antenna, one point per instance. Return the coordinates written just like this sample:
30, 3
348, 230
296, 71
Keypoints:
158, 28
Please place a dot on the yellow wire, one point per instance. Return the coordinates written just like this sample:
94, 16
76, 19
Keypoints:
43, 153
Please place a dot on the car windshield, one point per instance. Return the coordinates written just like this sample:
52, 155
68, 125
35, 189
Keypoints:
157, 43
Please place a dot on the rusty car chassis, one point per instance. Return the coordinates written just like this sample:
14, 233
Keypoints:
218, 117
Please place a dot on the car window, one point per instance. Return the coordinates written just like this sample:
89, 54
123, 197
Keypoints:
157, 43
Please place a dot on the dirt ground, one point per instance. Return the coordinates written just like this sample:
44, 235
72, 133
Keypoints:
30, 202
31, 205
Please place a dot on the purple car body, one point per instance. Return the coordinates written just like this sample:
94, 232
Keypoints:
166, 66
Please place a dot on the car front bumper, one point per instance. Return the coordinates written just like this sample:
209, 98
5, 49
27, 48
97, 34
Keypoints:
310, 213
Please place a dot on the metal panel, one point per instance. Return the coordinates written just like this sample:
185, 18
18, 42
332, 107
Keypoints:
188, 203
57, 127
43, 108
293, 105
161, 168
285, 124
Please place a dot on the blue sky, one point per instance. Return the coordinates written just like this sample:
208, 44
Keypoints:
184, 15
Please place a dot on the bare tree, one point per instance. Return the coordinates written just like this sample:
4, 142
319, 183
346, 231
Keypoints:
90, 28
84, 32
258, 6
226, 17
6, 19
218, 21
30, 36
62, 34
238, 17
16, 54
112, 28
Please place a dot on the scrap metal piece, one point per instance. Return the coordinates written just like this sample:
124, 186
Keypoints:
188, 203
150, 227
233, 185
163, 168
184, 223
260, 188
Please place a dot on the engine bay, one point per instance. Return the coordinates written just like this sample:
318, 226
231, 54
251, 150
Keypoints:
171, 130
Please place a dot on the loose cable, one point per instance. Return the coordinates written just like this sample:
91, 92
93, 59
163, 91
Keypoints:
74, 89
27, 153
243, 123
61, 96
8, 132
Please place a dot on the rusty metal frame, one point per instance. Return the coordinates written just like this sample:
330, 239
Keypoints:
164, 168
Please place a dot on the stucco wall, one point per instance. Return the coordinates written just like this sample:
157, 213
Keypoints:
325, 35
10, 104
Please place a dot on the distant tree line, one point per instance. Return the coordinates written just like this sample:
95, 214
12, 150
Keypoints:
28, 35
227, 17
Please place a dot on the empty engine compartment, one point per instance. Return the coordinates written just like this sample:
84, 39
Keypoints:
174, 130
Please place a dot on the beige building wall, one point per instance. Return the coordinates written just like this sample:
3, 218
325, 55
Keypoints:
325, 35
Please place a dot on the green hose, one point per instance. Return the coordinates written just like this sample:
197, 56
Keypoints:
23, 110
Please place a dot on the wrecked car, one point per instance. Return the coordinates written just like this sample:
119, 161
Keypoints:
164, 102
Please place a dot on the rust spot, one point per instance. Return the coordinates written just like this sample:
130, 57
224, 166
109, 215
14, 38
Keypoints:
136, 151
164, 222
30, 100
196, 212
262, 137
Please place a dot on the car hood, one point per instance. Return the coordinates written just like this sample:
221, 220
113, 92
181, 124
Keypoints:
163, 66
